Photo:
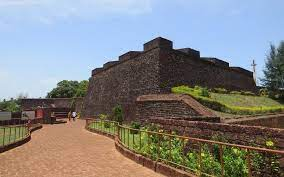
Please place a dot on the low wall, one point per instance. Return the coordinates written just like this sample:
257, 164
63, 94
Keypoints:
236, 134
33, 103
272, 121
172, 106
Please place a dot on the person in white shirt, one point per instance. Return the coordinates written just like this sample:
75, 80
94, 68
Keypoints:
74, 115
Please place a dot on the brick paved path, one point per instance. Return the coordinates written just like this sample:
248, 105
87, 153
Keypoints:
69, 150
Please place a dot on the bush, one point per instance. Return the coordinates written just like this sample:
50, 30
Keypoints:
118, 114
104, 117
220, 90
264, 92
201, 91
135, 125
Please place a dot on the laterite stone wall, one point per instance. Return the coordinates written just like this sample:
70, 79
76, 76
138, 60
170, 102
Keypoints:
156, 70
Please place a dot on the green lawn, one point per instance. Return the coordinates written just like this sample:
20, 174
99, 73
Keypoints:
12, 134
244, 100
109, 128
126, 136
232, 103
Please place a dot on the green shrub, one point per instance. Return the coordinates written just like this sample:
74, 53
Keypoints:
135, 125
201, 91
103, 117
105, 122
219, 90
118, 114
235, 163
264, 92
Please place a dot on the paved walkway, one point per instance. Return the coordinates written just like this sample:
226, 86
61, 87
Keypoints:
69, 150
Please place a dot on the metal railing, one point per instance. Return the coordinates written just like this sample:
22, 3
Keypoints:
200, 156
10, 134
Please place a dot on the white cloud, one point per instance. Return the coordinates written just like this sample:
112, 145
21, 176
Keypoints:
48, 11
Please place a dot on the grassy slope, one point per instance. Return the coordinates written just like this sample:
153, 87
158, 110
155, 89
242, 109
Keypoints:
232, 103
244, 100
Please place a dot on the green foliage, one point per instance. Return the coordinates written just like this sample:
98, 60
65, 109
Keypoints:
248, 93
12, 105
135, 125
221, 102
69, 89
219, 90
118, 114
264, 92
103, 118
274, 68
200, 158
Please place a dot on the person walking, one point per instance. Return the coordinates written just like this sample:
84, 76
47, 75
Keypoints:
74, 115
69, 116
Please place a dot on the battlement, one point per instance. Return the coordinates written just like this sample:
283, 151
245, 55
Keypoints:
242, 70
110, 64
166, 44
216, 61
96, 71
190, 52
158, 43
129, 55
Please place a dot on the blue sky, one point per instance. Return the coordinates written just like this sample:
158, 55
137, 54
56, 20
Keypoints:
45, 41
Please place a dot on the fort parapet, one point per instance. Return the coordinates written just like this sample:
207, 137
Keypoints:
154, 71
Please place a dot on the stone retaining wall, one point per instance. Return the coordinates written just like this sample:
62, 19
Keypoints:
173, 106
236, 134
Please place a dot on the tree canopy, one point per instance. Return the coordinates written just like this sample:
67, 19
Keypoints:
274, 68
69, 89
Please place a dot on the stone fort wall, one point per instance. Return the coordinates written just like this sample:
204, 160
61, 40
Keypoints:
156, 70
33, 103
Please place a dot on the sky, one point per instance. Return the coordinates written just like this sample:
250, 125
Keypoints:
45, 41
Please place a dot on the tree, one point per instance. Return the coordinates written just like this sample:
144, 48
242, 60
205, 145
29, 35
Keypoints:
274, 68
82, 89
69, 89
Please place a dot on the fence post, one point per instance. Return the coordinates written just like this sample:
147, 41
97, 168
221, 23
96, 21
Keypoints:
222, 160
248, 163
4, 136
9, 135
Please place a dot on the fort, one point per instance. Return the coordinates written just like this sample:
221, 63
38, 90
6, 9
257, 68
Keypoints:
155, 70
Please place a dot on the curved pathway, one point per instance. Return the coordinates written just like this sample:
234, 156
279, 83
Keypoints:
69, 150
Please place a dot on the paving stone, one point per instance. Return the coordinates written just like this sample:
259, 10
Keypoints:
69, 150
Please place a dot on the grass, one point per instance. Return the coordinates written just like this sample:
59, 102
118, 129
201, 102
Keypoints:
101, 126
10, 135
231, 103
244, 100
128, 138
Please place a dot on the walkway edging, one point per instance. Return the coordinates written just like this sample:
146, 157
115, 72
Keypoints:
142, 160
20, 142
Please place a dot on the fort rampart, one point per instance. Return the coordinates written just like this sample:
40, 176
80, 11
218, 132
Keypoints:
154, 71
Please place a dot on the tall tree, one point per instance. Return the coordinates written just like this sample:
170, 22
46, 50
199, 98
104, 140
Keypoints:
69, 89
274, 68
